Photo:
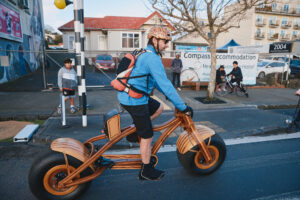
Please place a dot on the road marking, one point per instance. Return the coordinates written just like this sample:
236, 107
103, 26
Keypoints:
166, 107
228, 142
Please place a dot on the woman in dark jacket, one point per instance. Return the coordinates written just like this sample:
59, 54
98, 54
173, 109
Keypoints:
220, 76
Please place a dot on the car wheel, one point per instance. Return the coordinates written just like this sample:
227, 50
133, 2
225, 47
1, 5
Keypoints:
261, 75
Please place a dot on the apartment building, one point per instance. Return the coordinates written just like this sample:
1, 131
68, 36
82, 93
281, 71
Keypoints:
264, 24
275, 22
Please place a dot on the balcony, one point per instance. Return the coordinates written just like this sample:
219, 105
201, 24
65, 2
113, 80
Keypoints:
259, 35
287, 25
273, 24
294, 37
285, 37
296, 26
272, 36
260, 23
278, 11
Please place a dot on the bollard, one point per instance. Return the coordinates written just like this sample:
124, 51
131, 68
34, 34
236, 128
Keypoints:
63, 112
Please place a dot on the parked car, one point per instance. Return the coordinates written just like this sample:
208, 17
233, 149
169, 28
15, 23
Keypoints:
265, 67
295, 67
105, 62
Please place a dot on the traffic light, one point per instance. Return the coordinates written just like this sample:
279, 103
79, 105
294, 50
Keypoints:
61, 4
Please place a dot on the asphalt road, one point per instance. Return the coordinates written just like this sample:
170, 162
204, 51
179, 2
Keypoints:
265, 170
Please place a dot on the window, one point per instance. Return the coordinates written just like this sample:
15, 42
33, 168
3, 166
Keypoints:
295, 34
71, 42
282, 33
130, 40
259, 31
23, 4
274, 6
261, 5
297, 22
285, 8
101, 42
284, 21
298, 9
272, 20
259, 19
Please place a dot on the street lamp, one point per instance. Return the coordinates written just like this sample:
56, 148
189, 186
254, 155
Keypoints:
79, 47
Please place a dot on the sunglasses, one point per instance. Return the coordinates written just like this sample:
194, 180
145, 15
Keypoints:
166, 41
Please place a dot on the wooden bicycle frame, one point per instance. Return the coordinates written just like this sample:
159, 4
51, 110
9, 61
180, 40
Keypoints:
128, 161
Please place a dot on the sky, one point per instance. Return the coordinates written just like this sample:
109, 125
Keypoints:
95, 8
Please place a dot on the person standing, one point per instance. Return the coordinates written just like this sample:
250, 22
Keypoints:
67, 83
176, 68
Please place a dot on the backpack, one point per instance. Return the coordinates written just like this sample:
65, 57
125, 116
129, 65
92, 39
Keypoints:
123, 72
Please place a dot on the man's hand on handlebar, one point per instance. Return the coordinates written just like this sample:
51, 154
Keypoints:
297, 92
188, 111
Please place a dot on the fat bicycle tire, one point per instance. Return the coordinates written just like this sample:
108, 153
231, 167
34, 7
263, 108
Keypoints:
193, 161
44, 174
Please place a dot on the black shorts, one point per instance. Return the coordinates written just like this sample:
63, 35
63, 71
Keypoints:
141, 117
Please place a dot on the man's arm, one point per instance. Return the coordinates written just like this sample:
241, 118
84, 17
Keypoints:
163, 84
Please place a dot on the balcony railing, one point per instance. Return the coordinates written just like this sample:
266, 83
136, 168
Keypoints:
287, 25
259, 35
285, 37
272, 36
296, 26
260, 23
294, 37
273, 24
279, 10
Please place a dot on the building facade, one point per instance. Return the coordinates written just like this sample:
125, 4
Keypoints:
21, 38
114, 33
264, 24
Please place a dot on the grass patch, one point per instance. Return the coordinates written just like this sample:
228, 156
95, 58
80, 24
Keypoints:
40, 122
8, 140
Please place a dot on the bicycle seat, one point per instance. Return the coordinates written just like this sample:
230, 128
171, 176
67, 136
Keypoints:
111, 123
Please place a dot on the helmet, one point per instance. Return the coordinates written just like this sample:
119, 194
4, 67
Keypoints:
159, 32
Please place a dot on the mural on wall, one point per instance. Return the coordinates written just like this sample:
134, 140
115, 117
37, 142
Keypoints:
24, 56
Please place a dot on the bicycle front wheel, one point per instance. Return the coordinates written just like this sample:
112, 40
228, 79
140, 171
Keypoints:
223, 90
239, 91
189, 75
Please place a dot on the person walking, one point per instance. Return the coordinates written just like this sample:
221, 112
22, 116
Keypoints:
176, 68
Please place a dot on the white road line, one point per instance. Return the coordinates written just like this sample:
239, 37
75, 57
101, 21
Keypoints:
228, 142
166, 107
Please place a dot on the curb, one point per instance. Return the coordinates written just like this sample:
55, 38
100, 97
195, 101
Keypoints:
272, 107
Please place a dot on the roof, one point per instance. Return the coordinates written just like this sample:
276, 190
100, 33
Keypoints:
113, 22
231, 43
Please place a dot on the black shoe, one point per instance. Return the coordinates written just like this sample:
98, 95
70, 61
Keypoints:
148, 172
230, 92
132, 137
247, 95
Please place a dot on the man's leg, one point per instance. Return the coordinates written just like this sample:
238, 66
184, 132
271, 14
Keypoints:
178, 79
145, 149
173, 79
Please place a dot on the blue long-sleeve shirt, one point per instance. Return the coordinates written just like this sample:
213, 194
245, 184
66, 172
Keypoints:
150, 63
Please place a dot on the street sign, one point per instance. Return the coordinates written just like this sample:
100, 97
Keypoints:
281, 47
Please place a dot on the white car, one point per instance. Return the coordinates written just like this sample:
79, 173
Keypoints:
265, 67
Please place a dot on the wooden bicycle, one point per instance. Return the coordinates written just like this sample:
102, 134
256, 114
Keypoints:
66, 171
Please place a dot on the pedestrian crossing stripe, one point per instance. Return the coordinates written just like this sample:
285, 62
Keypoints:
166, 107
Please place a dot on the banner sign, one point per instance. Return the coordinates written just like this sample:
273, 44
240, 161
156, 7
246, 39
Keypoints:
10, 25
281, 47
191, 48
201, 63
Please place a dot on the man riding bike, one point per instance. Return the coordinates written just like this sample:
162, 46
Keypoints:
237, 76
145, 109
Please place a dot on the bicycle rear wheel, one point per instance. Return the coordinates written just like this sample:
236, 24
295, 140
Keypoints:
189, 75
223, 90
239, 91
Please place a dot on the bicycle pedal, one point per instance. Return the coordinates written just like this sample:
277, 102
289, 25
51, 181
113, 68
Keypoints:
104, 162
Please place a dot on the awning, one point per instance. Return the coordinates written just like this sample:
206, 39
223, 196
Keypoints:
232, 43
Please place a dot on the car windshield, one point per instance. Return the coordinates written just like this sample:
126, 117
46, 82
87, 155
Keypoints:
262, 64
104, 57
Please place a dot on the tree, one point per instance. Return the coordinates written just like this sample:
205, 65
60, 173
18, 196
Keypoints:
220, 16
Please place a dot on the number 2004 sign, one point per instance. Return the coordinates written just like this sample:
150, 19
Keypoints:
280, 48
